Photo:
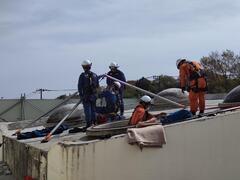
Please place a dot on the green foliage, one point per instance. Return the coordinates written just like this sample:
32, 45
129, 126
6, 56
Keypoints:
163, 82
222, 70
158, 84
130, 92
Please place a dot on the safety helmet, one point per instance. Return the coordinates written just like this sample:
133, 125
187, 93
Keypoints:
146, 99
117, 84
179, 61
86, 63
113, 65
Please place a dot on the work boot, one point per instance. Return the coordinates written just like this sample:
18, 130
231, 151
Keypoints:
193, 113
122, 117
84, 129
201, 112
77, 129
94, 123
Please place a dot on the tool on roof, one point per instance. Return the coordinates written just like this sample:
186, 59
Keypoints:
49, 136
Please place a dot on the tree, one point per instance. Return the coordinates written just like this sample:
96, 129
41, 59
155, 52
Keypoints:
222, 70
163, 82
144, 83
159, 83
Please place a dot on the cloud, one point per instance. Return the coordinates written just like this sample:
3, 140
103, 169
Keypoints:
43, 42
113, 19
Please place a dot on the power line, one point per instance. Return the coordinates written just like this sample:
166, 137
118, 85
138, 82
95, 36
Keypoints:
55, 90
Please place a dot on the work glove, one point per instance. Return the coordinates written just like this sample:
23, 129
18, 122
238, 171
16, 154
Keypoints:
183, 89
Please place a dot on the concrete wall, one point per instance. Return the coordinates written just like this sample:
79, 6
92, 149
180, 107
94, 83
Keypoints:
24, 160
1, 150
14, 110
3, 127
200, 150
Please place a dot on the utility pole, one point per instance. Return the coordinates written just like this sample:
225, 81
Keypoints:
41, 92
22, 99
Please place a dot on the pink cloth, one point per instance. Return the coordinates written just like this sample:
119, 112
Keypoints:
150, 136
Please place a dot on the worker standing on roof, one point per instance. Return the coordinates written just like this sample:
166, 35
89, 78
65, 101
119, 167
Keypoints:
87, 88
116, 73
141, 116
192, 78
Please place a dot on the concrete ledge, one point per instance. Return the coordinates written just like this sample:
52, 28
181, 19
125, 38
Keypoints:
25, 160
205, 148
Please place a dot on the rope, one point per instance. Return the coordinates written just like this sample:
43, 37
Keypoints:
147, 92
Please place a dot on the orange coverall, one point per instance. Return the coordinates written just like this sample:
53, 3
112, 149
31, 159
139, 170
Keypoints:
197, 85
139, 114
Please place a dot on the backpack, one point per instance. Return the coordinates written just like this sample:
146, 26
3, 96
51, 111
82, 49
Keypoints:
196, 70
197, 74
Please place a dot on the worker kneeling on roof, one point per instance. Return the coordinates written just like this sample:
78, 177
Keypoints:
109, 103
192, 78
140, 116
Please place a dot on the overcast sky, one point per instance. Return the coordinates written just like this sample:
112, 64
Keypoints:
43, 42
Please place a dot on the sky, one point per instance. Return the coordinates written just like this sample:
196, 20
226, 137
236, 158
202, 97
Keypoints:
42, 43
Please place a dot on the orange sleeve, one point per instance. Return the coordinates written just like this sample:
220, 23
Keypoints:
137, 116
183, 74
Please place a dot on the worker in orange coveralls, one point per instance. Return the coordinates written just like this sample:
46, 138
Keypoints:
192, 78
140, 116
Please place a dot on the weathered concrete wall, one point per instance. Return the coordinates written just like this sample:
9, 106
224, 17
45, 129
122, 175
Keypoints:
197, 150
3, 126
25, 160
1, 140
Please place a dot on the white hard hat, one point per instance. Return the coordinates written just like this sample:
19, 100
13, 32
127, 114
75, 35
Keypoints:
114, 64
179, 61
86, 63
117, 84
146, 99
